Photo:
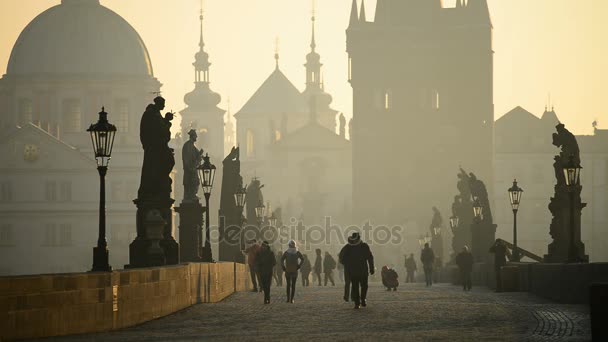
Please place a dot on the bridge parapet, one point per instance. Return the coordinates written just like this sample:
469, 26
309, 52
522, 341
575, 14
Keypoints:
63, 304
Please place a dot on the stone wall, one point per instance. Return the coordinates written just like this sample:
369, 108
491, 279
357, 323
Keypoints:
63, 304
562, 283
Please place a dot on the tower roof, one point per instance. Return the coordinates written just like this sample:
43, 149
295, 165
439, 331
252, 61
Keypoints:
79, 37
276, 95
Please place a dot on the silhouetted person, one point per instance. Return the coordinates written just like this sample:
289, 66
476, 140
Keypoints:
465, 262
501, 253
155, 134
427, 256
318, 265
329, 265
410, 268
340, 269
346, 274
265, 262
278, 271
389, 278
252, 252
291, 262
359, 263
305, 269
191, 159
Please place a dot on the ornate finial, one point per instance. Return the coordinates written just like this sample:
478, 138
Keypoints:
313, 43
276, 51
202, 42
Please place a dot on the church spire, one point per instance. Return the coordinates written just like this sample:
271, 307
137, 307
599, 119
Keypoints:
313, 43
354, 15
362, 17
276, 52
201, 58
313, 59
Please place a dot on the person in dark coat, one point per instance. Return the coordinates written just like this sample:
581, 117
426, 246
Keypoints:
318, 265
278, 271
427, 256
252, 252
410, 268
389, 278
291, 262
329, 265
305, 269
346, 275
501, 256
265, 263
359, 263
465, 262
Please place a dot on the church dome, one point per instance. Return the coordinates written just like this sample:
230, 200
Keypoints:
79, 37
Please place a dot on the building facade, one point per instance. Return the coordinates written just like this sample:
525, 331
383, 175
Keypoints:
62, 70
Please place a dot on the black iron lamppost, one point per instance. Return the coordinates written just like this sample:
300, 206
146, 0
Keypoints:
272, 222
239, 198
260, 213
477, 209
102, 138
477, 233
206, 176
515, 193
572, 174
437, 231
454, 223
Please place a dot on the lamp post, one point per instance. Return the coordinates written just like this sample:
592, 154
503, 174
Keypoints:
477, 233
206, 176
477, 210
515, 193
454, 220
239, 198
272, 222
260, 213
102, 138
572, 174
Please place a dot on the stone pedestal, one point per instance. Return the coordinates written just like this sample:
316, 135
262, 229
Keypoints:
190, 231
139, 249
483, 236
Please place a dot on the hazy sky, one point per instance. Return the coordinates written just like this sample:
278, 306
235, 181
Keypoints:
542, 46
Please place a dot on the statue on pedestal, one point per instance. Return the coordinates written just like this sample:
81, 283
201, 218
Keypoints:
191, 158
231, 223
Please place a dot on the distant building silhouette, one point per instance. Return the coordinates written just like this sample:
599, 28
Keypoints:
67, 63
422, 79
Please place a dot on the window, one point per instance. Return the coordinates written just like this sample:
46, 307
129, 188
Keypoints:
25, 112
388, 100
436, 100
122, 115
6, 235
65, 191
50, 235
250, 142
71, 117
6, 191
50, 191
350, 69
65, 234
277, 135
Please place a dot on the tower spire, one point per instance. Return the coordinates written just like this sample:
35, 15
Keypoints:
276, 52
362, 17
354, 15
313, 43
202, 41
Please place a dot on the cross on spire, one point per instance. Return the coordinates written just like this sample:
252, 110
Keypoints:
276, 52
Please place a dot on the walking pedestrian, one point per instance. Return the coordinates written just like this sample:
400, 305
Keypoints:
465, 262
340, 268
252, 252
359, 264
291, 262
265, 263
411, 268
305, 269
428, 259
278, 271
346, 275
318, 265
329, 265
501, 254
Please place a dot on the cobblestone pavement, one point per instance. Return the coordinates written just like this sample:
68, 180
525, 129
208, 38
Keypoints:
413, 313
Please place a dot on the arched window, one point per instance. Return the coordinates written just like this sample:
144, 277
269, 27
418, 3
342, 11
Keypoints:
250, 142
71, 117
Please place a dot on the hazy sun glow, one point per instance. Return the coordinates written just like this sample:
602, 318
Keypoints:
542, 47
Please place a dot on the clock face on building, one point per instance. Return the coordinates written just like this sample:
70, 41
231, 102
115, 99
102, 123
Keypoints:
31, 152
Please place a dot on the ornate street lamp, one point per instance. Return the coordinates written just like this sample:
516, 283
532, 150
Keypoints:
477, 209
454, 220
260, 212
239, 198
572, 175
437, 231
102, 138
206, 176
515, 193
272, 220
